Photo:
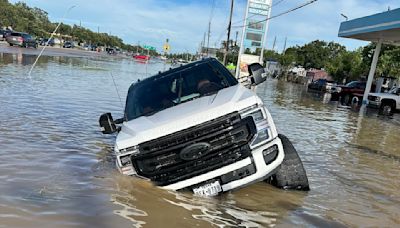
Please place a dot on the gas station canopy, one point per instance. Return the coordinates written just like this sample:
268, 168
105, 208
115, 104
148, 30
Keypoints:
380, 28
385, 26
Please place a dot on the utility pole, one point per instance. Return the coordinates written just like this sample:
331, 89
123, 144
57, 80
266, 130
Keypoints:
98, 29
284, 46
241, 48
273, 45
237, 33
229, 33
203, 44
209, 33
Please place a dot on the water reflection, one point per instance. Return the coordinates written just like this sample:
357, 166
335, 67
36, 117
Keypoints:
258, 205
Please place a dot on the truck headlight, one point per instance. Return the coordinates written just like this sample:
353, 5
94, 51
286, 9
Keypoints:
265, 126
124, 155
131, 150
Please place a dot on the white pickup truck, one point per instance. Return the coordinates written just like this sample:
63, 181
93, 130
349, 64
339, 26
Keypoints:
195, 127
386, 102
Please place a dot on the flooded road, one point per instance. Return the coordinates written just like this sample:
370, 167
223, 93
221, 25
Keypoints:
57, 169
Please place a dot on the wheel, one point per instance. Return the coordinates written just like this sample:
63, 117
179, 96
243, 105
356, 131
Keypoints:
291, 174
11, 45
386, 108
346, 99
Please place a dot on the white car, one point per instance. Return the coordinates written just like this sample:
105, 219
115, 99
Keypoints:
195, 127
386, 102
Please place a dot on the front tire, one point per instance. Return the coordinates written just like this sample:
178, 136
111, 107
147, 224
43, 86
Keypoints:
386, 109
291, 173
346, 99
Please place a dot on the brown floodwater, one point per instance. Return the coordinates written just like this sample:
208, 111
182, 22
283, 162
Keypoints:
57, 169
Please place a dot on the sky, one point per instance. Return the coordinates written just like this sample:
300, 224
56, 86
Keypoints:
184, 22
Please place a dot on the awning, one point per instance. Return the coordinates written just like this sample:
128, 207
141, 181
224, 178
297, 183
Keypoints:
385, 26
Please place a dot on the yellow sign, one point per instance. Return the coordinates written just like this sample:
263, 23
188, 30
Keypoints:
166, 47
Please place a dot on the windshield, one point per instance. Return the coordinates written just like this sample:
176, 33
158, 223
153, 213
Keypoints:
158, 93
352, 84
395, 90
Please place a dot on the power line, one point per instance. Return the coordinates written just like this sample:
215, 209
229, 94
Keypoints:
212, 9
280, 14
275, 4
225, 29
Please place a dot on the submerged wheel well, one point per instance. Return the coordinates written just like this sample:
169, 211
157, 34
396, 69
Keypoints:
389, 102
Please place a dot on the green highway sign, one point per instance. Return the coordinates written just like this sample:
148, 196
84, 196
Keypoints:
149, 47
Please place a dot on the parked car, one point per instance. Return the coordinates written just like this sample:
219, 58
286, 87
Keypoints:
4, 34
346, 92
93, 48
68, 44
387, 103
87, 47
111, 51
21, 39
43, 42
195, 127
322, 85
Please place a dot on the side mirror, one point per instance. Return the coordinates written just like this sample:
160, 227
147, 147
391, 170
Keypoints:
257, 73
107, 124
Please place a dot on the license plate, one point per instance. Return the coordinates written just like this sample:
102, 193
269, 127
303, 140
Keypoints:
14, 38
211, 189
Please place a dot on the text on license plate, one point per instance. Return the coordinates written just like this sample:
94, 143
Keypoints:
211, 189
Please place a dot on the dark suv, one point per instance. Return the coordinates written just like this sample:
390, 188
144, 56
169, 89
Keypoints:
21, 39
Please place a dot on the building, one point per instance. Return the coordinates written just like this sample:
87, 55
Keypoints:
298, 71
314, 74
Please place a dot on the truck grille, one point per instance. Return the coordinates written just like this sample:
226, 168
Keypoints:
371, 98
163, 160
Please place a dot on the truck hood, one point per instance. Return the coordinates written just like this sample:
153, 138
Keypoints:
185, 115
383, 95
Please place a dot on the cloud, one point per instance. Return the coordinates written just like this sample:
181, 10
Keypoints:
321, 20
184, 22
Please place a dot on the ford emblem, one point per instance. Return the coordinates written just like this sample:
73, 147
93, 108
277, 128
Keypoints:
195, 151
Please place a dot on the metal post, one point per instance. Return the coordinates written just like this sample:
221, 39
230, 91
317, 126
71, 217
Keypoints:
242, 41
284, 46
237, 33
372, 71
265, 35
229, 33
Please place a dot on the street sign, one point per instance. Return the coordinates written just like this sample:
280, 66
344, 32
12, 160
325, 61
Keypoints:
166, 47
149, 47
254, 34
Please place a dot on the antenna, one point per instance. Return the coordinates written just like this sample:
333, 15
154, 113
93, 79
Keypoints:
47, 43
120, 100
116, 88
345, 17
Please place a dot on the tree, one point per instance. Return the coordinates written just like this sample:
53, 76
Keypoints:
288, 58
